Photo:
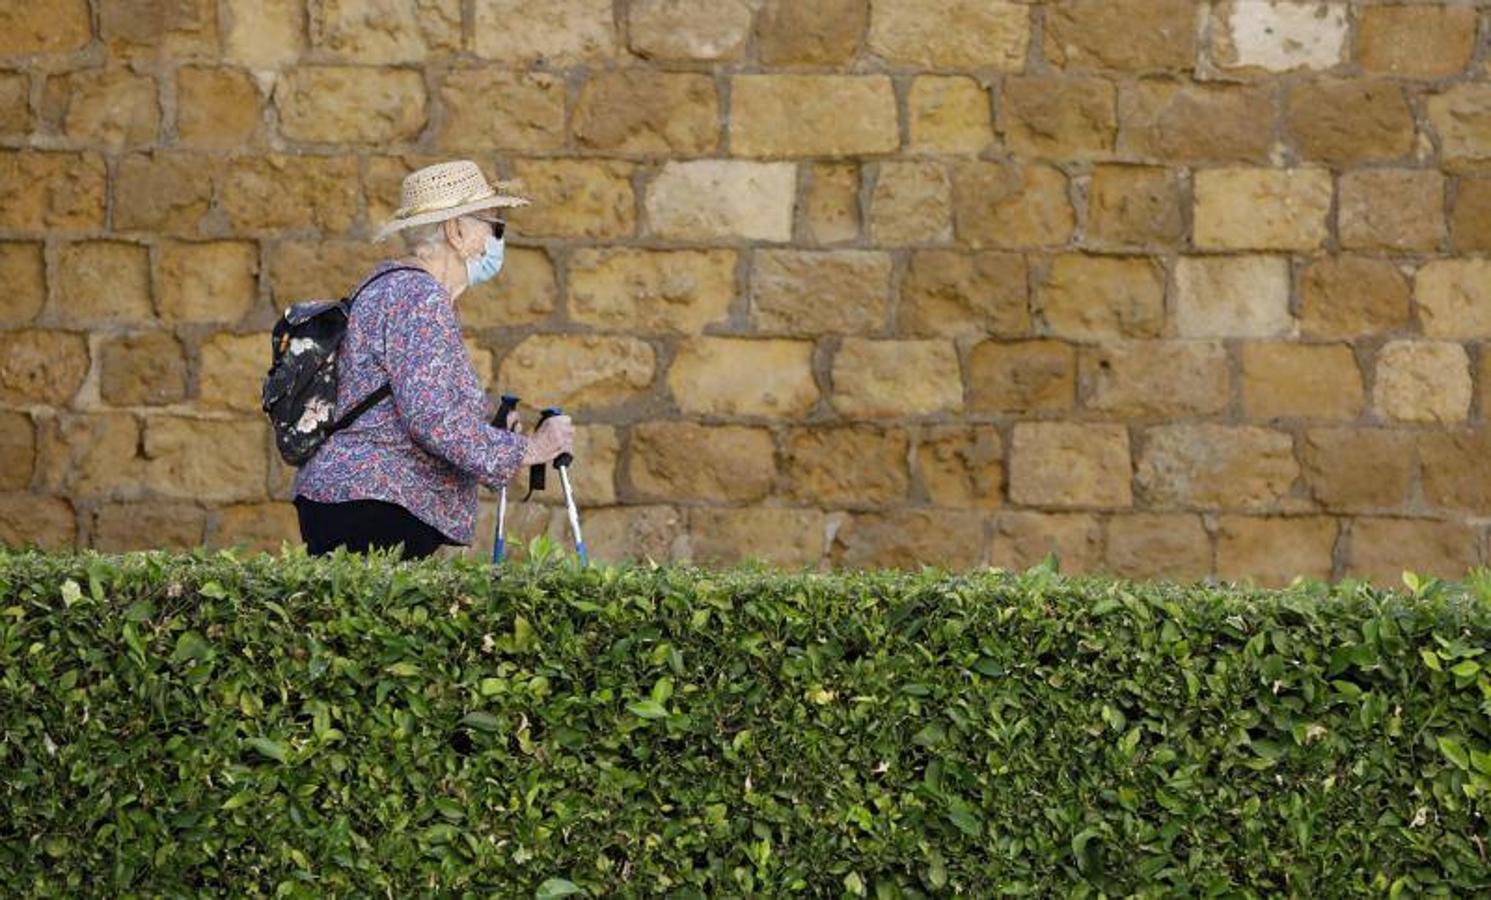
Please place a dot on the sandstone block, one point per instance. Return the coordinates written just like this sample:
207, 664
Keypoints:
952, 294
45, 367
949, 114
568, 32
1232, 296
1100, 297
1383, 549
1461, 115
112, 107
1470, 221
1188, 122
33, 28
577, 198
911, 204
16, 119
17, 450
651, 290
272, 193
803, 115
645, 112
34, 520
1168, 546
1279, 37
687, 461
530, 116
1358, 469
1262, 209
1021, 377
23, 272
1392, 210
638, 533
909, 540
147, 369
1136, 36
86, 456
50, 191
1352, 296
207, 282
1455, 469
232, 369
951, 34
1007, 205
216, 109
1272, 552
1060, 118
1422, 381
351, 104
205, 460
1344, 122
719, 198
263, 34
147, 30
105, 283
786, 538
164, 192
689, 29
308, 270
1216, 467
811, 292
1024, 539
896, 378
705, 377
1416, 41
582, 371
600, 447
526, 292
831, 203
121, 527
961, 466
1135, 205
814, 471
377, 33
1286, 380
1454, 297
1065, 464
1153, 379
256, 527
825, 33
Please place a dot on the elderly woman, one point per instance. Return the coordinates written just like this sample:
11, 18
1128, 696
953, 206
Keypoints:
406, 471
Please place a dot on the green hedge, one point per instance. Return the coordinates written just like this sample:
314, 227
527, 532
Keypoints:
179, 725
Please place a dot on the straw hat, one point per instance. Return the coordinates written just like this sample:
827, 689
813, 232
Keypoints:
444, 191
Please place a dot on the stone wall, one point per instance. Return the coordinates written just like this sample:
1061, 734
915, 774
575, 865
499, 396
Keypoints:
1173, 288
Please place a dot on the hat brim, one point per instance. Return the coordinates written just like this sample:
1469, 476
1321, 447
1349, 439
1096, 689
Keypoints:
486, 205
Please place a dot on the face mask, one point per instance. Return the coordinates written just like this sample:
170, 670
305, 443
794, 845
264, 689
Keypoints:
486, 266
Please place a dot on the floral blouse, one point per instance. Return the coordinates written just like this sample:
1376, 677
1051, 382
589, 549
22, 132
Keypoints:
428, 445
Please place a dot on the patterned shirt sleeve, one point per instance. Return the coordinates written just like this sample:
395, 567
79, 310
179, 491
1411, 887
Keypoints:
435, 390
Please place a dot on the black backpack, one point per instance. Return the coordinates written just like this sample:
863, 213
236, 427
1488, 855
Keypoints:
300, 391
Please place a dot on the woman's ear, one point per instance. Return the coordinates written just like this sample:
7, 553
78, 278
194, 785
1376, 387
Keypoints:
452, 230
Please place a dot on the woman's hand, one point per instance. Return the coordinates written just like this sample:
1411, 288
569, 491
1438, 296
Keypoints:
555, 436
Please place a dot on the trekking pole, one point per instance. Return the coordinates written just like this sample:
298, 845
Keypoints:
562, 463
509, 404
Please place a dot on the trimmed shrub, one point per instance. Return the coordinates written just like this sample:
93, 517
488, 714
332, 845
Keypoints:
286, 726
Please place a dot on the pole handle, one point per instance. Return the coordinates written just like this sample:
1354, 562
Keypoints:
508, 404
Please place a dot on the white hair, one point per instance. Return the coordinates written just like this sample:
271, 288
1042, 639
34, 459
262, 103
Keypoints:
418, 237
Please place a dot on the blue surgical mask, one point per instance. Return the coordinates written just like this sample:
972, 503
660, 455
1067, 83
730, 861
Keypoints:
486, 266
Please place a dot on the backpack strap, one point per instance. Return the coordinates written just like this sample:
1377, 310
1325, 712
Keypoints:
352, 297
378, 396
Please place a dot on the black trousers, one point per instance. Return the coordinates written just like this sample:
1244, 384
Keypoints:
363, 525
